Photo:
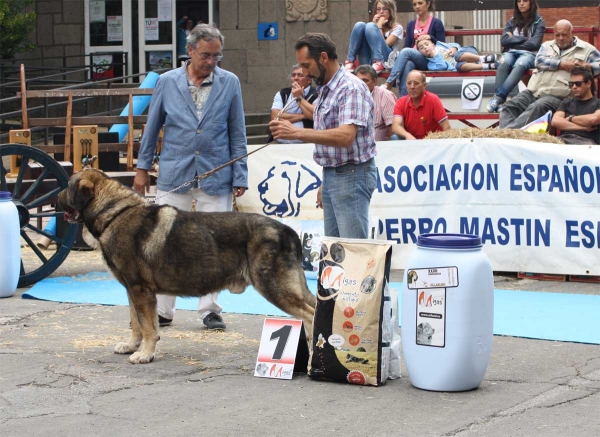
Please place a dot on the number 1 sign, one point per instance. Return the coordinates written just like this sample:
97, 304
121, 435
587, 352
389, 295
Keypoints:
278, 346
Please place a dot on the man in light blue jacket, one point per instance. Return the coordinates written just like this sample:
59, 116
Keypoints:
200, 106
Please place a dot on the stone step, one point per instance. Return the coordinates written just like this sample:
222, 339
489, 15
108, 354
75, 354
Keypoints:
257, 118
257, 129
257, 139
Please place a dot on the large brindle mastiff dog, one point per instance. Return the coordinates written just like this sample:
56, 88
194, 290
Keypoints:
154, 249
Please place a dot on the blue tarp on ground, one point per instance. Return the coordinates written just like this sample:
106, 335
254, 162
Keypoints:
539, 315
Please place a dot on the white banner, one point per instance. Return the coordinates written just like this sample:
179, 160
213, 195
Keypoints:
535, 205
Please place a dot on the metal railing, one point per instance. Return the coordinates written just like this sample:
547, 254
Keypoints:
43, 110
9, 70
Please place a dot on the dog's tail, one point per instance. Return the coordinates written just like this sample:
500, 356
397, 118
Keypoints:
292, 236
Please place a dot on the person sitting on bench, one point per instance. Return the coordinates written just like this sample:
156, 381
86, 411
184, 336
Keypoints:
299, 113
409, 58
418, 113
547, 87
578, 117
521, 40
452, 57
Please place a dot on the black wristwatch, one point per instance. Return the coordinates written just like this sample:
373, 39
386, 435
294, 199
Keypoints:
571, 117
298, 99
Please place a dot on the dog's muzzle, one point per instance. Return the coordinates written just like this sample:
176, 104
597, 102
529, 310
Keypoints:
73, 217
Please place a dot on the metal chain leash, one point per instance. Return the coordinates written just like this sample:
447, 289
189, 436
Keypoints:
214, 170
173, 190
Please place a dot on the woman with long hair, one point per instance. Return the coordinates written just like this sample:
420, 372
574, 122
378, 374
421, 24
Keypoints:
521, 40
372, 43
409, 58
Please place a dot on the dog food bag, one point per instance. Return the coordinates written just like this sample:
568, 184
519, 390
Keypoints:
310, 232
310, 236
352, 326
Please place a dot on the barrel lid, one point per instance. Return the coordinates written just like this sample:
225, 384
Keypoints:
449, 241
5, 195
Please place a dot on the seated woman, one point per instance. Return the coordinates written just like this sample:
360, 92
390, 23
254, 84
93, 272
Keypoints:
372, 43
453, 57
521, 40
409, 58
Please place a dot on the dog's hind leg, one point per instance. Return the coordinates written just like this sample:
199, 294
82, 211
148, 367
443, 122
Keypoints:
144, 302
287, 290
136, 334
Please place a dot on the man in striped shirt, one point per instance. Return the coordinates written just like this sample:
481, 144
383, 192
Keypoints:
383, 112
344, 138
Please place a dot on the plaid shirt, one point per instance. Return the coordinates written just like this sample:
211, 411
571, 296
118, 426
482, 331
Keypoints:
345, 100
383, 113
549, 61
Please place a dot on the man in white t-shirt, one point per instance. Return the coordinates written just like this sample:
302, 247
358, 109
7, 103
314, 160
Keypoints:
299, 113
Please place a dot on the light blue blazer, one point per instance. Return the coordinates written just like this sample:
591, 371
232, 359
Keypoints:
190, 146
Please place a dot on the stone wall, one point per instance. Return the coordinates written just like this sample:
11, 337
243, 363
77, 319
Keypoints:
59, 33
263, 66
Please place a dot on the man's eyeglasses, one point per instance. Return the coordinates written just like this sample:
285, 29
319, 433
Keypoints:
206, 56
576, 82
382, 9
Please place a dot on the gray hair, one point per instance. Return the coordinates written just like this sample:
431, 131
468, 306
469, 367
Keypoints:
295, 67
366, 69
205, 32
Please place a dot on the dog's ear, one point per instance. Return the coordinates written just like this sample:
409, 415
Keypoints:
81, 193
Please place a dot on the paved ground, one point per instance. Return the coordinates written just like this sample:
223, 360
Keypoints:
59, 377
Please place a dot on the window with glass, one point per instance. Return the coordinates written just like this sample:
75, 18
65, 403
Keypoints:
106, 23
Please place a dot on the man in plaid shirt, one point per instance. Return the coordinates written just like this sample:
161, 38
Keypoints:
548, 84
344, 138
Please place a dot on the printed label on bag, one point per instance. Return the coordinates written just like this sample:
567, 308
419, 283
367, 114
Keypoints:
432, 277
431, 317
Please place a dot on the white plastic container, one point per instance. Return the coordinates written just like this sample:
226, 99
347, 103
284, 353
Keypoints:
10, 245
447, 312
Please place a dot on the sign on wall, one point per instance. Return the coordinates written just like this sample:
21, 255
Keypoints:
268, 31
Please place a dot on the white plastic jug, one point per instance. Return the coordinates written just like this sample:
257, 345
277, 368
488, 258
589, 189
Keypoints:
447, 312
10, 245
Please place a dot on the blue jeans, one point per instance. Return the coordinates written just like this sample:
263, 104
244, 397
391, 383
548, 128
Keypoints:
462, 51
511, 68
525, 108
367, 42
408, 59
346, 196
396, 137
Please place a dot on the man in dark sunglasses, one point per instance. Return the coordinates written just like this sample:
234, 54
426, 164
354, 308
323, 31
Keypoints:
548, 84
578, 117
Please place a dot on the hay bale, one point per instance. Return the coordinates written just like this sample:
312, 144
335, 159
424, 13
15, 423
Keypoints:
514, 134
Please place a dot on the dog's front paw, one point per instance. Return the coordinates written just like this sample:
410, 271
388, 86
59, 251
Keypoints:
125, 348
141, 358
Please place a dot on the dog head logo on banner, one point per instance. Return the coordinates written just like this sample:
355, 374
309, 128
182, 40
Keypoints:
284, 186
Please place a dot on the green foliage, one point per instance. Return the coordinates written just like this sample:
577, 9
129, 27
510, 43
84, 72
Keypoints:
15, 27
